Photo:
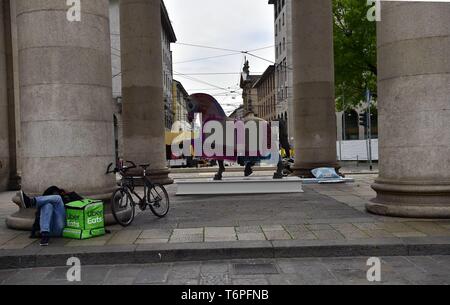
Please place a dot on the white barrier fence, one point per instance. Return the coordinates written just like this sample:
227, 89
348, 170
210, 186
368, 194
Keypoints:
356, 150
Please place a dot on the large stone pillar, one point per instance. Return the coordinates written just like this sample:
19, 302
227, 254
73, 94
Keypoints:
414, 110
12, 92
142, 86
4, 124
66, 109
314, 101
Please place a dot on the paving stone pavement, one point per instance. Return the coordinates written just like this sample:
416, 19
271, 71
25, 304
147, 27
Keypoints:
323, 212
295, 271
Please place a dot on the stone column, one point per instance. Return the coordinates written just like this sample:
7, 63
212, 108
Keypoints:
414, 110
142, 86
13, 92
314, 100
4, 124
66, 109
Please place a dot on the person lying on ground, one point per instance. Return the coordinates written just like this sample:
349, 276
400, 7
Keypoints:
51, 213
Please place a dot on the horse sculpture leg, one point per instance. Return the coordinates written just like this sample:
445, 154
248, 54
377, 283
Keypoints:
279, 173
218, 176
248, 168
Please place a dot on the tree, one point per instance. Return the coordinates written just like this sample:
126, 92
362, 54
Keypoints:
355, 53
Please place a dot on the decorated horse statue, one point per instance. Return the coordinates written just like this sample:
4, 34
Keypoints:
236, 144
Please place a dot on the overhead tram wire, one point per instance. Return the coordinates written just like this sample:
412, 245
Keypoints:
260, 49
222, 49
199, 81
202, 89
214, 73
259, 57
206, 58
268, 60
206, 47
235, 52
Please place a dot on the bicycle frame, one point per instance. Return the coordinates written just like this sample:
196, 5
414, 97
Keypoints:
127, 186
147, 185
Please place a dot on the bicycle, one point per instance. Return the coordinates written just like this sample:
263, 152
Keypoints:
123, 205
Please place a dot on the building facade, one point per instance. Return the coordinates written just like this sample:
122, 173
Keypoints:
237, 114
179, 102
249, 93
167, 37
283, 63
266, 94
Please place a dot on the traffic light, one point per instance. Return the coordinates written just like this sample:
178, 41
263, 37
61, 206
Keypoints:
363, 119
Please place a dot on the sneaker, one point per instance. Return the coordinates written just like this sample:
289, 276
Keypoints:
45, 238
25, 201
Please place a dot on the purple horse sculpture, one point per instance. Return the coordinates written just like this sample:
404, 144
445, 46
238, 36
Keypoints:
210, 110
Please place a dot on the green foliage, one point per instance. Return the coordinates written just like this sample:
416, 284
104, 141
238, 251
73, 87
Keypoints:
355, 52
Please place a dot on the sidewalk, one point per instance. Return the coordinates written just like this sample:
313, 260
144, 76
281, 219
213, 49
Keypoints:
324, 220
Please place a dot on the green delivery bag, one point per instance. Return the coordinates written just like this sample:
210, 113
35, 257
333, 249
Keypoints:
83, 234
85, 219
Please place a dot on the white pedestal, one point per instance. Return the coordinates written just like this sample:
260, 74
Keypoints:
237, 185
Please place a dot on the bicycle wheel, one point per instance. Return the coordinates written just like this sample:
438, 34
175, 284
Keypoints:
123, 207
158, 200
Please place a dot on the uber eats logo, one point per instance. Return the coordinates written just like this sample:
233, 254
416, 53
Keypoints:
94, 217
73, 220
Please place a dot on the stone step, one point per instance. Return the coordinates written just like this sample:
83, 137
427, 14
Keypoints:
32, 257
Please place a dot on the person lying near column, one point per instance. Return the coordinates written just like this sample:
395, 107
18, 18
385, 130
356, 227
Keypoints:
51, 213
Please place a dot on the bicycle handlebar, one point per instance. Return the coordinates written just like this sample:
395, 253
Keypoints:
108, 170
120, 168
133, 165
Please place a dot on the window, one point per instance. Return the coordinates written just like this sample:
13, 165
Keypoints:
283, 19
284, 43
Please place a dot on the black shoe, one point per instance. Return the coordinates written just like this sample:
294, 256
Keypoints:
45, 238
26, 202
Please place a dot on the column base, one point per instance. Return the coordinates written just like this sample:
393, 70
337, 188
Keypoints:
411, 200
24, 218
303, 170
161, 176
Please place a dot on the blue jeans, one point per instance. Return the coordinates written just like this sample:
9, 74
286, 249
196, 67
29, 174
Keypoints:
53, 215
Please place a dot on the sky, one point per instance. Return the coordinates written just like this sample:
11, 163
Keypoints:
235, 25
